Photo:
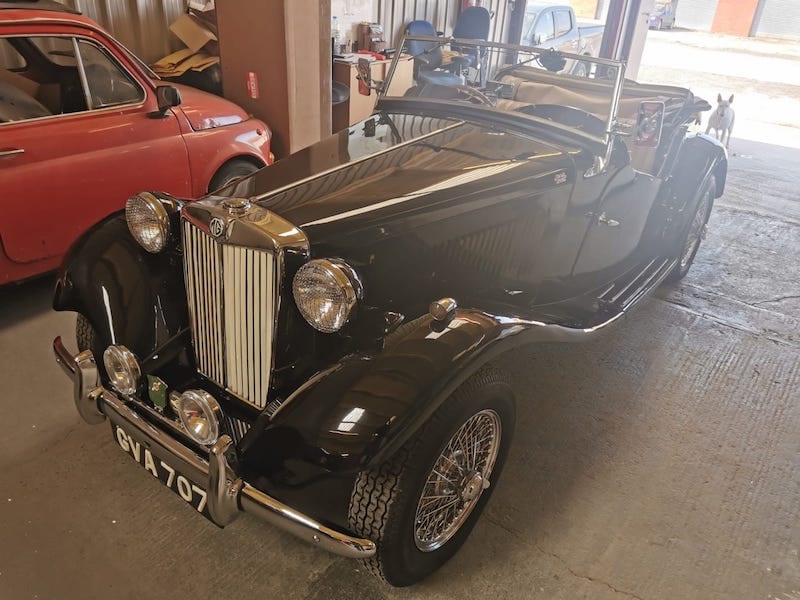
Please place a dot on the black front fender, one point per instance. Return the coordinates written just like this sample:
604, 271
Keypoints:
129, 296
361, 410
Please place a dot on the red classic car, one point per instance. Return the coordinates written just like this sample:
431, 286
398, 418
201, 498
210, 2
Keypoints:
84, 124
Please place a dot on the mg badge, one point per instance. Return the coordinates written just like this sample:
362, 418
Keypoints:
157, 390
560, 178
217, 227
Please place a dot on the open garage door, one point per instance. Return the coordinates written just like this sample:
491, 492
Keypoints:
779, 18
696, 14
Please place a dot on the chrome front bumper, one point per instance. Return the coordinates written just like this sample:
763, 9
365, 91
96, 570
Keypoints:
228, 495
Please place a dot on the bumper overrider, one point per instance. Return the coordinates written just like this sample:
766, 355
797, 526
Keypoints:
227, 494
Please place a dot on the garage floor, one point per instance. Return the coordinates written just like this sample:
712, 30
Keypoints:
662, 462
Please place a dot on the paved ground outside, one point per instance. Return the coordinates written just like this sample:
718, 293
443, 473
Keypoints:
660, 463
762, 74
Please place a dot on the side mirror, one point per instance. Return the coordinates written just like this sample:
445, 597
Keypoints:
167, 97
364, 71
649, 123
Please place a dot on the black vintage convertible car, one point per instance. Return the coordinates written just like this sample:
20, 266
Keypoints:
316, 346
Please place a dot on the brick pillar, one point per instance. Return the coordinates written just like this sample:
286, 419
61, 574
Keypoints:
734, 17
276, 64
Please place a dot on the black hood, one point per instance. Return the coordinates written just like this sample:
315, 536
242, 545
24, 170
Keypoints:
394, 164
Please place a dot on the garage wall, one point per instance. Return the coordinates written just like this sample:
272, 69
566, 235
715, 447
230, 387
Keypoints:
142, 25
395, 14
779, 18
350, 13
696, 14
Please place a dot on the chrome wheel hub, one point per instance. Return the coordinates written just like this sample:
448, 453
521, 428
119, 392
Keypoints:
457, 480
473, 486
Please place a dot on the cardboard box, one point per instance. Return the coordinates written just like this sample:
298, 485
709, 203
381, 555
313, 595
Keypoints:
193, 34
202, 5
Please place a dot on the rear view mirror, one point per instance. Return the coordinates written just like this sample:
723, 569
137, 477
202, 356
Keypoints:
649, 123
167, 96
364, 70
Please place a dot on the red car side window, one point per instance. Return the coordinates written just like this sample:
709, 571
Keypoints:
63, 82
107, 82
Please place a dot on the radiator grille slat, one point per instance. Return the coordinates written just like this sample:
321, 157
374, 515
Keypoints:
231, 295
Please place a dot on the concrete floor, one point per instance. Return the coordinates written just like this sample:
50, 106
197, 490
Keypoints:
662, 462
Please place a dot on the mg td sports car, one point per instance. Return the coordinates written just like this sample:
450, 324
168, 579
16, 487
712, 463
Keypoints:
316, 347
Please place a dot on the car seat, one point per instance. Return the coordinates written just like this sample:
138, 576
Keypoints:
428, 57
473, 24
16, 105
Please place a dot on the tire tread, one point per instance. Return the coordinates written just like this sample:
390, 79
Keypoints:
84, 334
377, 490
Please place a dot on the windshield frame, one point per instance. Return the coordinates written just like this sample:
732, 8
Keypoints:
616, 83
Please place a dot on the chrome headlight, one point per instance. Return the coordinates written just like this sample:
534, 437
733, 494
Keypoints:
325, 292
122, 369
200, 414
148, 221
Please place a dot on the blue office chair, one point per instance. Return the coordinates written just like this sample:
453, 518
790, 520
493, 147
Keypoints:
473, 24
428, 57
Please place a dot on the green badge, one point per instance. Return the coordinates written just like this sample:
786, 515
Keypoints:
158, 392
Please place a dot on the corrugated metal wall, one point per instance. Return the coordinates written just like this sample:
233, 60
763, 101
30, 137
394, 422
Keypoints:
780, 18
142, 25
696, 14
395, 14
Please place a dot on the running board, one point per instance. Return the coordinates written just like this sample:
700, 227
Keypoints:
622, 296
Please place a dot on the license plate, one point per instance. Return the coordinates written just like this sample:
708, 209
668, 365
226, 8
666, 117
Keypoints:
192, 493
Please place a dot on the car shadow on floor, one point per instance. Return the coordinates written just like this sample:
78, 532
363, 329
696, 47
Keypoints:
22, 301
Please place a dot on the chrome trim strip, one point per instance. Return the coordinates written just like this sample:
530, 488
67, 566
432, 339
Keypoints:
87, 93
228, 494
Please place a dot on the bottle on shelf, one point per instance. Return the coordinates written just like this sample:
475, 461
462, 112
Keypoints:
336, 36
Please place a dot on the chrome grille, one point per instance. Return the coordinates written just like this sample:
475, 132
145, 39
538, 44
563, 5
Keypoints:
236, 428
231, 295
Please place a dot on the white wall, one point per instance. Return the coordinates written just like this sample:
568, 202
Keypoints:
352, 12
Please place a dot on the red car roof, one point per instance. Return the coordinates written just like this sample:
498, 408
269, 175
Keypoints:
47, 5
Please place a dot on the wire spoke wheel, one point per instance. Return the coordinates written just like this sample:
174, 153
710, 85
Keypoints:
458, 477
420, 505
696, 231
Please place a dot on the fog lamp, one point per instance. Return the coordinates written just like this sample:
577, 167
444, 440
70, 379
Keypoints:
122, 369
200, 414
148, 221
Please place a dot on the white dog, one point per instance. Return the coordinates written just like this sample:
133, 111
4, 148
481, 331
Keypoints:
722, 119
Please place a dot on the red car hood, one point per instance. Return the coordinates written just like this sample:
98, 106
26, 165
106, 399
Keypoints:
207, 111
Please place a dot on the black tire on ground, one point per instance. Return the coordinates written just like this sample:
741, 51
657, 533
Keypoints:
392, 503
695, 231
231, 171
85, 334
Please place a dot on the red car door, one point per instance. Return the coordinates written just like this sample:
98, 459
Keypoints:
61, 173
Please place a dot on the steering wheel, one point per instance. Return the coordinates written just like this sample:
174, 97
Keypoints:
473, 94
